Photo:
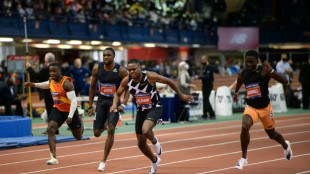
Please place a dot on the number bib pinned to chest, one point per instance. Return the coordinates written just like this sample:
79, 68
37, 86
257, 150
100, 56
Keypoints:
253, 91
107, 89
143, 100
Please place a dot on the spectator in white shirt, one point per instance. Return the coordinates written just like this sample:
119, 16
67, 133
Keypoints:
284, 68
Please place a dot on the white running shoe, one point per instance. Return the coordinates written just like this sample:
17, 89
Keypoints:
154, 166
158, 148
101, 166
52, 161
242, 162
288, 153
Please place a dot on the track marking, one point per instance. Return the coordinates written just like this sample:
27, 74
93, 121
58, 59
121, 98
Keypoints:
212, 156
128, 157
159, 135
166, 142
252, 164
304, 172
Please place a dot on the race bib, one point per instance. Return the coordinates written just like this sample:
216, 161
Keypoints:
143, 100
56, 98
107, 89
253, 91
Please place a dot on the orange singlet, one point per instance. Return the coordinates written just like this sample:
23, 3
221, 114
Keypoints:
61, 101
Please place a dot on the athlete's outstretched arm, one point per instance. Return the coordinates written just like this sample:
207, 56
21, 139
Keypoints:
119, 92
92, 89
42, 85
68, 87
238, 86
273, 74
154, 77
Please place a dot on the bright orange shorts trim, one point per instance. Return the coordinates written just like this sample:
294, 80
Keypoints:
265, 115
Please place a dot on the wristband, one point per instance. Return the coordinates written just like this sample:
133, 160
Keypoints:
90, 107
123, 105
272, 71
236, 93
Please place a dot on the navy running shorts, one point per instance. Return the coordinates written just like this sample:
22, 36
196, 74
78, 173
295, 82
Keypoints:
102, 114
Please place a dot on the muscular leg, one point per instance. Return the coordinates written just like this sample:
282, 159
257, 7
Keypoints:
247, 122
273, 134
109, 142
98, 132
78, 133
147, 133
205, 103
51, 129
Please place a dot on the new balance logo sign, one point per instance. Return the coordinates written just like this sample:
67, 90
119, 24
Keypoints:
238, 39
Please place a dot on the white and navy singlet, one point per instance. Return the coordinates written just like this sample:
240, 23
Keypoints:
144, 93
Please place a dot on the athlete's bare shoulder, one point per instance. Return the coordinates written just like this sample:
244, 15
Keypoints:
123, 72
67, 85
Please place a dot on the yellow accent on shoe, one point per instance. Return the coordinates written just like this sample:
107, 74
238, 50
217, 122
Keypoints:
52, 161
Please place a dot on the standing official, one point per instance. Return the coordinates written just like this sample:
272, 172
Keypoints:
207, 78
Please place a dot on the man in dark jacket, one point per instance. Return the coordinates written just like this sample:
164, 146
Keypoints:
304, 76
207, 78
43, 76
8, 97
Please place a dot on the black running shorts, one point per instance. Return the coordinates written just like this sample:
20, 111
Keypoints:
153, 114
102, 114
60, 117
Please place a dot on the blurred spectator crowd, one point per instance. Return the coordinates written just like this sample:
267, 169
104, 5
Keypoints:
153, 13
175, 14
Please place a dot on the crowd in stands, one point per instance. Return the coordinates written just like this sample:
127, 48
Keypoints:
275, 14
175, 14
154, 13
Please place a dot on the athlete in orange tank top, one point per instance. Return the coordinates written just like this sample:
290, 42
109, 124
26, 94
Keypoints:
64, 110
61, 101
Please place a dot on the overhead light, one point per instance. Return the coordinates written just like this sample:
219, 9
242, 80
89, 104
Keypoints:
94, 42
102, 47
287, 46
28, 40
149, 45
52, 41
63, 46
75, 42
85, 47
6, 39
41, 45
196, 45
116, 44
164, 45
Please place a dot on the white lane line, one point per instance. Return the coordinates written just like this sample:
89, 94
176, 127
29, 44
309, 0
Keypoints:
212, 156
304, 172
159, 135
252, 164
178, 150
166, 142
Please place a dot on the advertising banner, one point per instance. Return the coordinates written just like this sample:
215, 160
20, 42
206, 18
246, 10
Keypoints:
238, 38
16, 64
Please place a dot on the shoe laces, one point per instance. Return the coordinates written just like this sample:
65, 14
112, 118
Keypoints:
242, 160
